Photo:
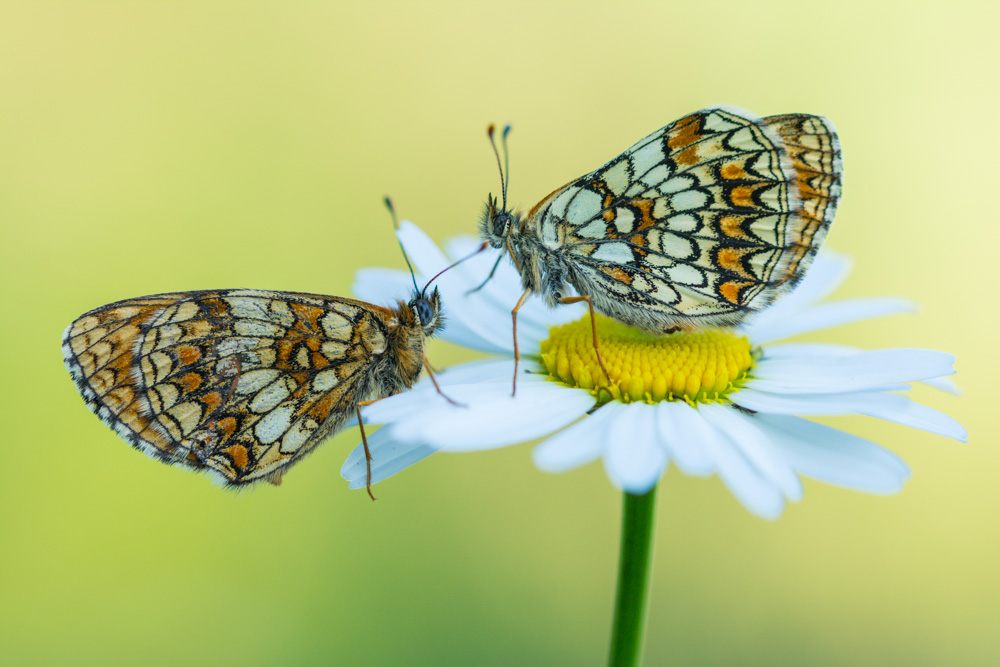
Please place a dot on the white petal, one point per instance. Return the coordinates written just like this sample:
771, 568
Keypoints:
801, 404
742, 479
458, 334
683, 430
835, 457
389, 456
453, 382
634, 459
810, 350
891, 407
492, 418
491, 370
744, 433
902, 410
576, 445
426, 257
855, 372
398, 406
780, 325
944, 384
827, 272
382, 286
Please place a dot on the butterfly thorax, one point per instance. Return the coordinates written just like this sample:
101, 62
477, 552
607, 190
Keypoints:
541, 268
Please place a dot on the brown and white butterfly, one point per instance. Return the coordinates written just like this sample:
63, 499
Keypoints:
243, 383
701, 223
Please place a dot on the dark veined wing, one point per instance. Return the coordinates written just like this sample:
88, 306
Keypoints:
703, 221
241, 382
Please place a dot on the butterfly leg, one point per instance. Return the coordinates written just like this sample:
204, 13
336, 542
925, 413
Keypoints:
438, 387
517, 354
593, 324
488, 278
368, 454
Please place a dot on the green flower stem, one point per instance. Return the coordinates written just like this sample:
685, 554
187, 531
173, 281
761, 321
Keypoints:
629, 628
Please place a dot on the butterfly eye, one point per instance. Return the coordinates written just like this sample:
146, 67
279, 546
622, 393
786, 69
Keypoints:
501, 223
424, 310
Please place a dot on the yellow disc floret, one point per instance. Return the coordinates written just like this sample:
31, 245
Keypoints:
695, 367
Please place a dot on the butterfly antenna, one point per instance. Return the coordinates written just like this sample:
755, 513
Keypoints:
506, 164
490, 131
395, 226
482, 246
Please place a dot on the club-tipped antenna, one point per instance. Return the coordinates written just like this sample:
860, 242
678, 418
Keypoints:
482, 246
395, 226
506, 163
504, 167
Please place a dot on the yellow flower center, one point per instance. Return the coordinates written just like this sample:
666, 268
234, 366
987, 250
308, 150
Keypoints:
695, 367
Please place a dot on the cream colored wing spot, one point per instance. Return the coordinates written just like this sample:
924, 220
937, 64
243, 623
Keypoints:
325, 380
84, 325
274, 424
273, 394
677, 184
616, 177
683, 222
615, 252
688, 200
559, 204
646, 158
167, 335
624, 221
584, 206
249, 308
255, 380
333, 350
656, 175
187, 416
185, 311
686, 274
336, 326
236, 345
155, 367
298, 435
258, 328
281, 313
162, 397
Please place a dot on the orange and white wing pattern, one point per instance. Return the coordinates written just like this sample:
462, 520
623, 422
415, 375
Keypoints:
241, 383
702, 222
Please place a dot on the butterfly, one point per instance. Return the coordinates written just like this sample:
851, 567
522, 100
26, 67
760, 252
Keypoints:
700, 224
241, 383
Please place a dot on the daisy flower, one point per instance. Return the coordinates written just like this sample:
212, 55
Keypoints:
731, 403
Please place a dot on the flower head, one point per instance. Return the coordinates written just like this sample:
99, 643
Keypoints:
728, 403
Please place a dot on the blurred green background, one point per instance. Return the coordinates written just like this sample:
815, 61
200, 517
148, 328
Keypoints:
150, 147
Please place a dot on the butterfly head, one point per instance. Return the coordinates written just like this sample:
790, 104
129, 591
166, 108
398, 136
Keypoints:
428, 311
497, 223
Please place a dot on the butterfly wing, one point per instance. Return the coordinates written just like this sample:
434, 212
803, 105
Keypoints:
240, 382
701, 222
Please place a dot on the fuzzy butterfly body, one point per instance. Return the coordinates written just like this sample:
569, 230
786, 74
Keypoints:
242, 383
701, 223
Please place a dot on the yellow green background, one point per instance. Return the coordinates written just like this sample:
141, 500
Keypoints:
150, 147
